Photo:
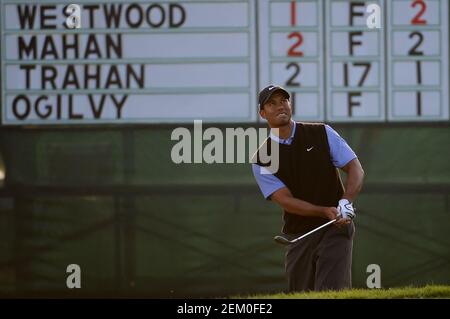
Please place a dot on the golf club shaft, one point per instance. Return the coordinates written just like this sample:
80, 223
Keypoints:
314, 230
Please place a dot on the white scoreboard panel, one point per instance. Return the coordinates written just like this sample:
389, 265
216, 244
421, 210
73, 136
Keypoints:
176, 61
291, 53
131, 61
355, 60
418, 60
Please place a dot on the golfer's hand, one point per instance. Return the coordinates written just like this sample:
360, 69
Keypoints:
346, 212
330, 213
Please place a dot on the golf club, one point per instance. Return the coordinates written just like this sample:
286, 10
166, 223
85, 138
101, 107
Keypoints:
284, 241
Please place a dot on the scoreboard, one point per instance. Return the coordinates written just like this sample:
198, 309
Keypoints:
355, 63
176, 61
418, 60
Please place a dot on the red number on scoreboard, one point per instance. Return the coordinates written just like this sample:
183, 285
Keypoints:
293, 13
293, 49
418, 17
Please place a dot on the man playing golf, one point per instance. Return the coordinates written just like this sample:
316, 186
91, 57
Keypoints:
308, 187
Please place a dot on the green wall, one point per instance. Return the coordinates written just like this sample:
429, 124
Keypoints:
111, 200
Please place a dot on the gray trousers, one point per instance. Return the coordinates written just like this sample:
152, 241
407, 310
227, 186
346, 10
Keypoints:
322, 260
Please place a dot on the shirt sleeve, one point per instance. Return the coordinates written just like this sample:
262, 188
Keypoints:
340, 152
267, 182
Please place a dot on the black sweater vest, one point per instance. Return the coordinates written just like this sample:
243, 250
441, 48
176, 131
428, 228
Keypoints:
306, 169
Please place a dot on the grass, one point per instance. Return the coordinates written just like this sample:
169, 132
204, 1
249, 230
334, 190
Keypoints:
429, 291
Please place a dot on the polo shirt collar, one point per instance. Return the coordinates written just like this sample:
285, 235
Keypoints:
288, 141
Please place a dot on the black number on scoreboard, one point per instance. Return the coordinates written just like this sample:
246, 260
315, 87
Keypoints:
293, 102
365, 65
292, 81
413, 50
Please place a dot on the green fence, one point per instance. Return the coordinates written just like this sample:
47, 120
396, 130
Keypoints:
111, 200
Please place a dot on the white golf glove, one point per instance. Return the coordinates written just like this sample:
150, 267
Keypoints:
345, 209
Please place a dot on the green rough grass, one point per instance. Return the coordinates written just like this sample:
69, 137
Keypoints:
429, 291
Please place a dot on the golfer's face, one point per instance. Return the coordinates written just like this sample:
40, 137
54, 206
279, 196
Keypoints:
277, 110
